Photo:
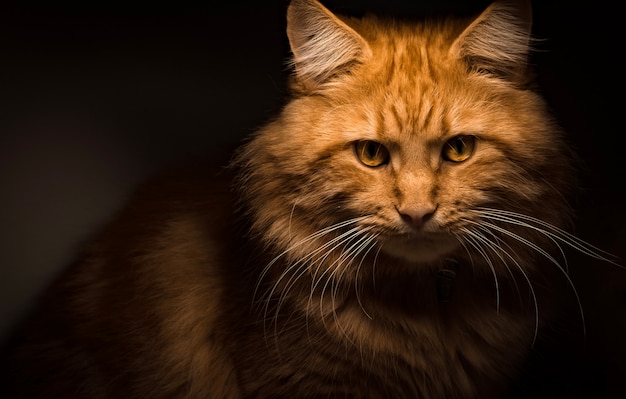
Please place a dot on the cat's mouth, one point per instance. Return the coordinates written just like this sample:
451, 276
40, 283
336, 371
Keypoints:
420, 248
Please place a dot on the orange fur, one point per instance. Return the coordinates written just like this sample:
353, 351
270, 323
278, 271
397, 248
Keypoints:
321, 276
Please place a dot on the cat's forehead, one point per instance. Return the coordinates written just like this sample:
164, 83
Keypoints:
413, 90
413, 122
411, 82
410, 46
410, 109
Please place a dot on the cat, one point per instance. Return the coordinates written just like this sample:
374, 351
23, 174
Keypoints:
396, 232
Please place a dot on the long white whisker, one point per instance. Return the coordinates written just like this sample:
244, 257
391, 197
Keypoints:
348, 254
496, 245
548, 230
335, 243
293, 209
497, 249
474, 240
302, 242
551, 236
374, 266
301, 267
309, 238
346, 238
368, 245
522, 240
297, 269
541, 251
352, 246
362, 244
469, 253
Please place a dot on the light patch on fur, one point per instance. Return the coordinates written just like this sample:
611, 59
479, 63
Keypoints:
321, 43
498, 41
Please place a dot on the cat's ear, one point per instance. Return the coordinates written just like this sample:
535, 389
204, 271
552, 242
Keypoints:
323, 46
498, 41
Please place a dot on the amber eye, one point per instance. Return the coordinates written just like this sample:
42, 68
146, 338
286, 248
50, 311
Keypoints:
371, 153
458, 148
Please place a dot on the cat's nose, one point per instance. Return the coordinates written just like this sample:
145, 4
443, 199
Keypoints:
416, 216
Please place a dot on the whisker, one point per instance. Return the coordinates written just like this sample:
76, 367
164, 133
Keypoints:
374, 266
498, 245
552, 237
302, 242
522, 240
346, 256
535, 247
352, 246
309, 238
293, 209
296, 270
497, 249
349, 234
547, 256
474, 240
368, 245
467, 250
550, 231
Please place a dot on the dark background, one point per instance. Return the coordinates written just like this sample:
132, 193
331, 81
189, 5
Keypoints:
96, 96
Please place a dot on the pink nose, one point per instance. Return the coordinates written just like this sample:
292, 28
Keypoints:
416, 216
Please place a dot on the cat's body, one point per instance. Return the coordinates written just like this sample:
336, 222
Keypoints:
388, 236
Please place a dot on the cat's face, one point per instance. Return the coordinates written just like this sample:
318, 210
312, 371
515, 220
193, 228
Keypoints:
417, 162
400, 154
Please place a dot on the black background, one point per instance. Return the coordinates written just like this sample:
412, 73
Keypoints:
96, 96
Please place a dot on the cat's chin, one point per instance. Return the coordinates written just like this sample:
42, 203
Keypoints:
420, 249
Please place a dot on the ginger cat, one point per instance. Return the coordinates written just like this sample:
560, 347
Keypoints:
394, 233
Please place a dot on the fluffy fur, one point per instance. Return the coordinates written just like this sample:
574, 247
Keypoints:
421, 276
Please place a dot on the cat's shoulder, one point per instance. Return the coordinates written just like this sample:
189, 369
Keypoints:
179, 219
195, 189
195, 183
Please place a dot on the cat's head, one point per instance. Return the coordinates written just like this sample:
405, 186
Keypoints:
399, 138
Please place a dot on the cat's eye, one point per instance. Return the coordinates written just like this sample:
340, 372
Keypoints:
371, 153
458, 148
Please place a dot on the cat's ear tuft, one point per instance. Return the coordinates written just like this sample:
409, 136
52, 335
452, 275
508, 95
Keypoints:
498, 41
323, 46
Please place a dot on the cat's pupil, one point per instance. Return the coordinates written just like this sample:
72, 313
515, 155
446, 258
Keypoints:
372, 149
459, 145
459, 148
371, 153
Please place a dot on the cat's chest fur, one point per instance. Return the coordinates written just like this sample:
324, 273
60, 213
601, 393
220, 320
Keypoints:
179, 313
393, 340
